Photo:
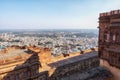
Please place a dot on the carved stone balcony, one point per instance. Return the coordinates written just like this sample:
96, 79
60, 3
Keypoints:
113, 50
115, 25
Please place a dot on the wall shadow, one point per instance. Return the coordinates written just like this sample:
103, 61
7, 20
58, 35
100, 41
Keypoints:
29, 70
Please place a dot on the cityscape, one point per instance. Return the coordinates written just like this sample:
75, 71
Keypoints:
59, 40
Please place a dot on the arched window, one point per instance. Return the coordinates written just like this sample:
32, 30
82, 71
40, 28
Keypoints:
108, 37
111, 35
117, 37
114, 37
119, 59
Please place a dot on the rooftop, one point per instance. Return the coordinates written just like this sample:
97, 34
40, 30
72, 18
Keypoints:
18, 53
114, 12
12, 54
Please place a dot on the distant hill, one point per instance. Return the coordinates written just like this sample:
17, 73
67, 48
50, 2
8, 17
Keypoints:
95, 31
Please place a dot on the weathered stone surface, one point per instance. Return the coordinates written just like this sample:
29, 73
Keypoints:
36, 64
109, 37
97, 73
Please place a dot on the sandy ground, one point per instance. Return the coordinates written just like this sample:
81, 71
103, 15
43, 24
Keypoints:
115, 71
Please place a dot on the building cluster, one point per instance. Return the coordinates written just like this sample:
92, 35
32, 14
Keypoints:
60, 44
35, 63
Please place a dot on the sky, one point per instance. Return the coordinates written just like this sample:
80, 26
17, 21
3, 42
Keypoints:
53, 14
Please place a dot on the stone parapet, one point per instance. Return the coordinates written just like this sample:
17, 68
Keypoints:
114, 12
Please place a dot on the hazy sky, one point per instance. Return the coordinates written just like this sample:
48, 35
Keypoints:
53, 14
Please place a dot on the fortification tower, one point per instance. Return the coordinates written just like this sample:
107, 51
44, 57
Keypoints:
109, 37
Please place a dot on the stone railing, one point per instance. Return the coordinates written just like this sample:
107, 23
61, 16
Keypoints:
79, 66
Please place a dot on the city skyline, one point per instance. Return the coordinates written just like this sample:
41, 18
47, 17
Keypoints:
54, 14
